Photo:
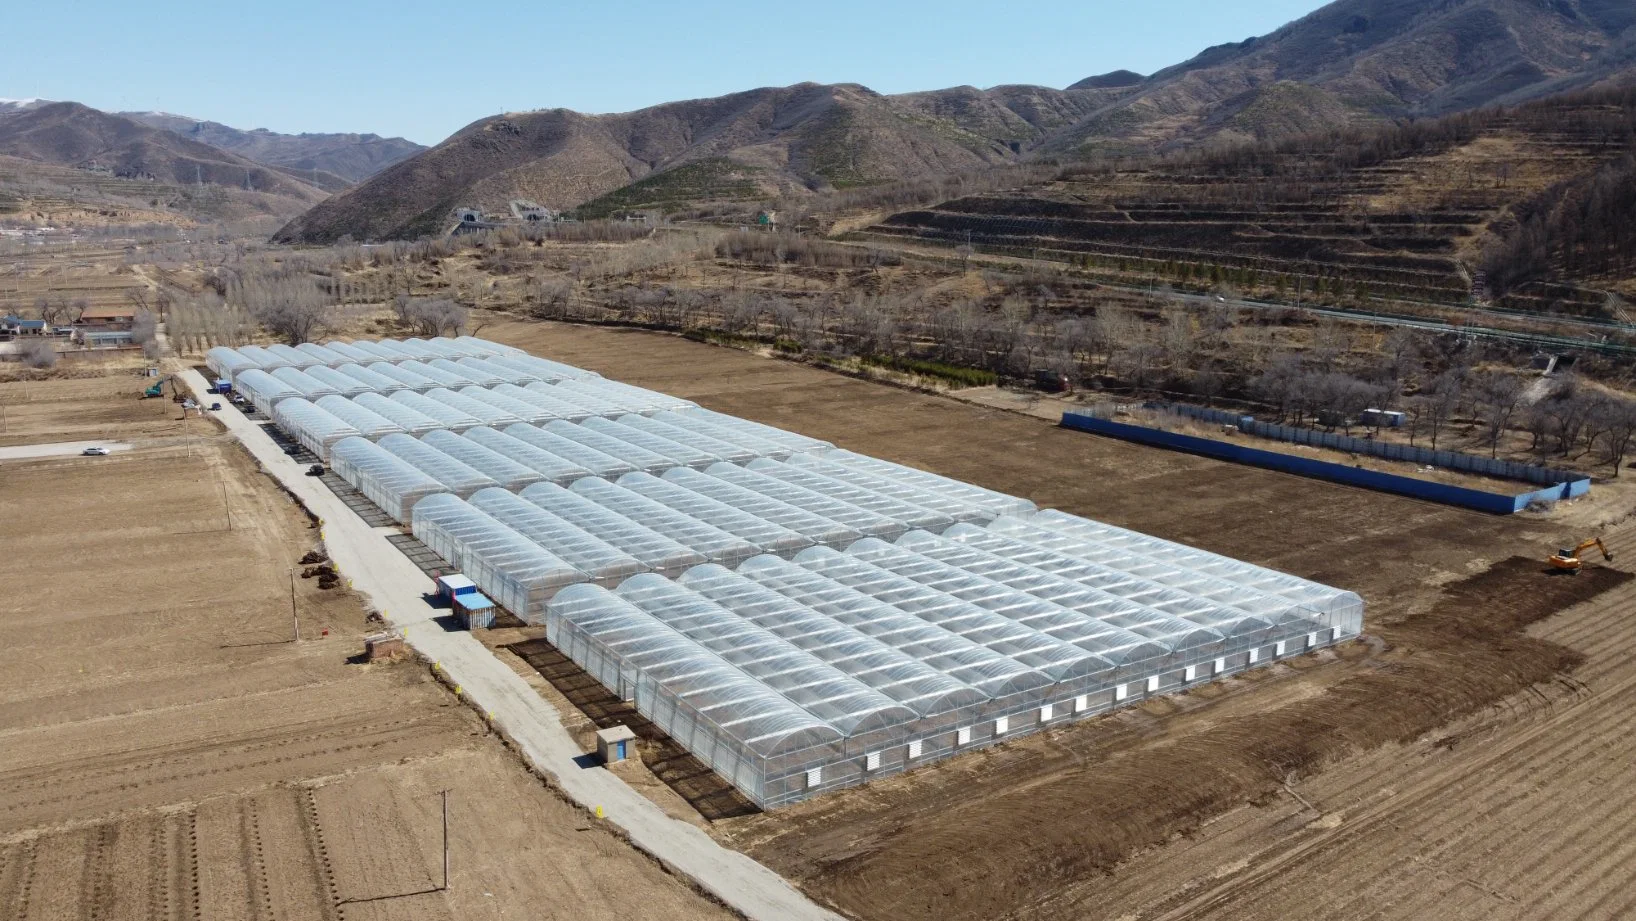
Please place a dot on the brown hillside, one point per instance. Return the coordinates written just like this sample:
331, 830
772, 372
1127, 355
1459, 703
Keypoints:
349, 158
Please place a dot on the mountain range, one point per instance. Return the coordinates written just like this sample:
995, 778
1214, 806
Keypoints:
1352, 62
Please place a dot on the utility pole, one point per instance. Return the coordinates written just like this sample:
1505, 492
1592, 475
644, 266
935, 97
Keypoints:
293, 615
445, 840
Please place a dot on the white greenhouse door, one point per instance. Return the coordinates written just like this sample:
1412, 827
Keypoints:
815, 777
1002, 725
914, 749
1278, 650
1082, 703
1221, 666
1121, 692
962, 736
1152, 684
1312, 640
1254, 654
1191, 674
871, 761
1045, 713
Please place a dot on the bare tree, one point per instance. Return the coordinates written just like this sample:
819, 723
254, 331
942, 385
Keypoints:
1620, 423
1499, 395
1438, 405
38, 354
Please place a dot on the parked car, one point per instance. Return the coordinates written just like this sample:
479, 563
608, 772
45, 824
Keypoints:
95, 451
315, 470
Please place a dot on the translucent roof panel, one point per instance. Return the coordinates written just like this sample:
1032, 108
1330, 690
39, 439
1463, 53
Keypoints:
414, 348
310, 387
292, 356
517, 573
773, 661
327, 357
638, 457
649, 401
888, 506
766, 536
1343, 609
543, 368
377, 383
1057, 659
312, 426
991, 502
540, 395
790, 440
805, 522
392, 350
477, 409
968, 547
264, 359
550, 467
1132, 653
461, 479
971, 663
352, 353
703, 686
344, 384
715, 544
377, 351
594, 404
409, 380
409, 420
263, 389
522, 410
442, 347
723, 449
505, 471
855, 519
599, 463
474, 376
654, 550
595, 557
709, 428
878, 664
485, 347
679, 454
443, 376
598, 391
496, 373
446, 415
226, 362
370, 424
384, 479
940, 503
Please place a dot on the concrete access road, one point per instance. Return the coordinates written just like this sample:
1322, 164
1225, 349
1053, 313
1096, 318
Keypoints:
58, 449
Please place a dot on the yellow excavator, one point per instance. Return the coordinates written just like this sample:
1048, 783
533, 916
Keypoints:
1567, 560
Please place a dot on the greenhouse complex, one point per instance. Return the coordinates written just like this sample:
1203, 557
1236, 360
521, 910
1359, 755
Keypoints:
799, 617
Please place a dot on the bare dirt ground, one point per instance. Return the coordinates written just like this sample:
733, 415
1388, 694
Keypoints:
1450, 758
167, 753
101, 407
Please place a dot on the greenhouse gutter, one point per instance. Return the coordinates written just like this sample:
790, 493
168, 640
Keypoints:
396, 587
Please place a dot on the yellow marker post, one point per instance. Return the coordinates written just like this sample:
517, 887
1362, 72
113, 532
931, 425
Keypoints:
599, 812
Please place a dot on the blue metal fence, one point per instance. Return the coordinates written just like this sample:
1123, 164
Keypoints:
1495, 503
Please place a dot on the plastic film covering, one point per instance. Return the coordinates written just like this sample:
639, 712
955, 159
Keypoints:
789, 440
806, 522
441, 346
327, 357
483, 348
315, 428
543, 368
601, 561
447, 416
599, 463
495, 372
853, 518
542, 398
766, 536
407, 380
727, 719
375, 351
292, 356
264, 359
521, 410
655, 551
352, 353
677, 453
310, 387
548, 466
225, 362
370, 424
456, 369
264, 390
461, 479
984, 553
384, 479
612, 402
1165, 561
344, 384
591, 403
414, 348
408, 420
706, 428
375, 383
394, 351
520, 575
431, 371
907, 514
505, 471
940, 503
638, 457
994, 504
483, 412
713, 543
727, 450
636, 399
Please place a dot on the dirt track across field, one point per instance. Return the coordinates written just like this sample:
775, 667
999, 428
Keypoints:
1268, 795
166, 751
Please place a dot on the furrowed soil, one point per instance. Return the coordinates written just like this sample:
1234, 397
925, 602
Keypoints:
166, 751
1459, 756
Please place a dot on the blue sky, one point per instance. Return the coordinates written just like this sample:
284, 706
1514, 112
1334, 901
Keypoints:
423, 70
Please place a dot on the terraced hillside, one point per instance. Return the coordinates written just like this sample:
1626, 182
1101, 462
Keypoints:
1401, 213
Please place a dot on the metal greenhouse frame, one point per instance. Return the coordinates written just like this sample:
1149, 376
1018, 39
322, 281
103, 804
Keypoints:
367, 422
459, 478
411, 421
600, 560
386, 480
508, 473
655, 551
315, 428
511, 569
715, 544
550, 467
